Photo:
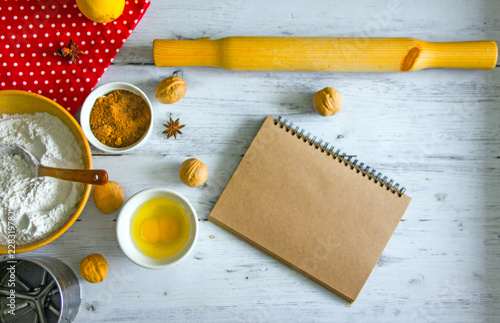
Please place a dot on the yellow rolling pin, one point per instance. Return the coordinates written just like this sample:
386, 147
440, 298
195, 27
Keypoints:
325, 54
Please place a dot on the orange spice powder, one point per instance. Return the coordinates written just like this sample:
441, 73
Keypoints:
120, 118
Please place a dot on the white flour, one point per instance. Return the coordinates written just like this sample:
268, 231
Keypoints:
39, 205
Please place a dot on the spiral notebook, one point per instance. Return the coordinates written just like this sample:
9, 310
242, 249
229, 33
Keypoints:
316, 210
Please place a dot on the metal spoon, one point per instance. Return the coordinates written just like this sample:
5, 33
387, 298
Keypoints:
88, 176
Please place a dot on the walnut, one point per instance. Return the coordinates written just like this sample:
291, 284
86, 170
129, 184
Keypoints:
94, 268
327, 102
193, 172
170, 90
108, 197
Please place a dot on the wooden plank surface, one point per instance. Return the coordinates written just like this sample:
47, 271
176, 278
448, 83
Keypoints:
435, 131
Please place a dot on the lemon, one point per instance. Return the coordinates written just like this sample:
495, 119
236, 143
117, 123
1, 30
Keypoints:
101, 10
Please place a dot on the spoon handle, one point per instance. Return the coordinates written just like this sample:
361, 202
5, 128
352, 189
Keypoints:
88, 176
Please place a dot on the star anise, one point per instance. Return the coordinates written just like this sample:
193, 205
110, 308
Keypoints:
173, 128
71, 51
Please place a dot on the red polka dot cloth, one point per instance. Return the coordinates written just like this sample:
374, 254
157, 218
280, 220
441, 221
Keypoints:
32, 31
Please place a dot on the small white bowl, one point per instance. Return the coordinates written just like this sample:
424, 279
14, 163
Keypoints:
124, 228
88, 104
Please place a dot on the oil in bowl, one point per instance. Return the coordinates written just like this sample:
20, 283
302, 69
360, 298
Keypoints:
160, 228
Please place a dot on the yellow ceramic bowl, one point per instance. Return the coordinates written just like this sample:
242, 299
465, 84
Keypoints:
14, 101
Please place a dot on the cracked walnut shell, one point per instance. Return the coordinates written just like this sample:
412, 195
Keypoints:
170, 90
193, 172
327, 102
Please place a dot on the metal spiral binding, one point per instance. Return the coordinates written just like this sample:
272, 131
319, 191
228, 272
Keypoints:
341, 157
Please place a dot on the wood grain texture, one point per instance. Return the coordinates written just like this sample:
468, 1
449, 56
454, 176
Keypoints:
434, 131
87, 176
324, 54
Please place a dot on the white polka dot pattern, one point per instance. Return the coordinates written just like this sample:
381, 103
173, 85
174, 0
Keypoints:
33, 31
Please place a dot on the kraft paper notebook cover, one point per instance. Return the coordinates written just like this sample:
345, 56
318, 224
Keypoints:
308, 206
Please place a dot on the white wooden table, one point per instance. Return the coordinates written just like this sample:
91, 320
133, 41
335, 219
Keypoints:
435, 131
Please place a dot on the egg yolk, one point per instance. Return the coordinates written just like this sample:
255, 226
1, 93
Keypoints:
160, 229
